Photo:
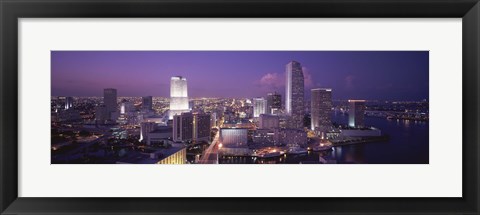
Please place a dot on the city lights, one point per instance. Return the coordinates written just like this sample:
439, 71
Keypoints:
310, 111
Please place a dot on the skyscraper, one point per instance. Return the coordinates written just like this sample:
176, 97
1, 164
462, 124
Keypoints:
274, 102
147, 103
201, 126
178, 96
321, 108
110, 101
294, 101
183, 127
101, 114
259, 106
126, 106
356, 113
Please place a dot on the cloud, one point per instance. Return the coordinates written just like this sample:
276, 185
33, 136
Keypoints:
276, 81
307, 76
349, 82
272, 81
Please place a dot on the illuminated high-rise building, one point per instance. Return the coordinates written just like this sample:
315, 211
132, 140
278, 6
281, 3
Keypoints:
234, 137
110, 99
321, 108
126, 106
63, 103
294, 94
68, 103
178, 96
356, 113
274, 102
147, 103
259, 106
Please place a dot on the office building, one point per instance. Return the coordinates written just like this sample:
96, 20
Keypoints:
356, 113
101, 114
69, 115
68, 103
201, 126
62, 103
294, 94
233, 137
290, 137
264, 136
110, 99
274, 103
178, 96
259, 106
321, 108
268, 121
145, 129
147, 103
126, 107
183, 127
161, 135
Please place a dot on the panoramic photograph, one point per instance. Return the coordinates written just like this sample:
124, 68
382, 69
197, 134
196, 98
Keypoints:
239, 107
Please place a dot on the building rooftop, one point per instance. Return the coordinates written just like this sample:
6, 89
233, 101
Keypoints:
162, 129
178, 78
135, 157
325, 89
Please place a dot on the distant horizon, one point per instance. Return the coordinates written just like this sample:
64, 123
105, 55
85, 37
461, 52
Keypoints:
367, 100
369, 75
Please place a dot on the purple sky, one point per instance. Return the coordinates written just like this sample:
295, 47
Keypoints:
384, 75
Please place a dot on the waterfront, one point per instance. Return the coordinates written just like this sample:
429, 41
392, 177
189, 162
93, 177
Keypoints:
408, 144
273, 107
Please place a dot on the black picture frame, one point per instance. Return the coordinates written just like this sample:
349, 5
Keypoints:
12, 10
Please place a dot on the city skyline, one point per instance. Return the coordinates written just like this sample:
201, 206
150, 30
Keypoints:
143, 73
259, 126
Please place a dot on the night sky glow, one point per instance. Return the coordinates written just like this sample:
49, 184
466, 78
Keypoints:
382, 75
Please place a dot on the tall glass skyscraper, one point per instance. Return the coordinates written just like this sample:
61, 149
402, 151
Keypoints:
321, 108
294, 92
178, 96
